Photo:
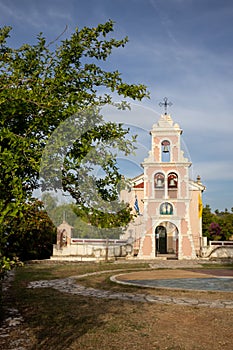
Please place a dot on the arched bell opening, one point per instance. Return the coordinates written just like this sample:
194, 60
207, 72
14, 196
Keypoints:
159, 185
165, 151
172, 185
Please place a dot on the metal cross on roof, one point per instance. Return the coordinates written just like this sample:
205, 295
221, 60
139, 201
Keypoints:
165, 104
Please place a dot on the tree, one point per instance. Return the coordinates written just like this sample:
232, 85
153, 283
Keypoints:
101, 224
215, 233
88, 223
207, 218
41, 86
218, 226
225, 220
33, 234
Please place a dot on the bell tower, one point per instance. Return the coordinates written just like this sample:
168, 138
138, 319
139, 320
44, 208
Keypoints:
166, 194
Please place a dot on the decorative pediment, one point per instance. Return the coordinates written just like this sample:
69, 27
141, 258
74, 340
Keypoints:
165, 123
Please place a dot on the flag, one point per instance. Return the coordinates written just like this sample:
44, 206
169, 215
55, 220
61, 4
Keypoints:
136, 207
200, 206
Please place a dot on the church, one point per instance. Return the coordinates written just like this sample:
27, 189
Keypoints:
167, 203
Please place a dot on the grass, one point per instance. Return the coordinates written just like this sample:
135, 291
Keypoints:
218, 266
61, 321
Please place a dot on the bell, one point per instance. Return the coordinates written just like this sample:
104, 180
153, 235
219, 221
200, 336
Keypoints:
172, 183
165, 149
159, 183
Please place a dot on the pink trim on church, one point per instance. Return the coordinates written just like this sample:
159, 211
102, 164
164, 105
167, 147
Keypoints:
169, 203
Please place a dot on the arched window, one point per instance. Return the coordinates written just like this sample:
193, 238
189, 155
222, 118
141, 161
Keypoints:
172, 185
166, 209
165, 151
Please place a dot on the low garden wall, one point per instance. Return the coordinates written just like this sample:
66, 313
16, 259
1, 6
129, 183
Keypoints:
219, 250
92, 249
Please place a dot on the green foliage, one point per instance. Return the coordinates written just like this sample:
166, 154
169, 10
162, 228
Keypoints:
6, 264
207, 218
217, 225
40, 87
96, 223
33, 233
88, 223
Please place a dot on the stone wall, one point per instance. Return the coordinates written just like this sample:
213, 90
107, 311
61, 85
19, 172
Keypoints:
87, 249
218, 252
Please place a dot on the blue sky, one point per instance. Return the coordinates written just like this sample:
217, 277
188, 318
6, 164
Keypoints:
182, 49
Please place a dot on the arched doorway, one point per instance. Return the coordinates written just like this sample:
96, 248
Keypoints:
161, 240
166, 238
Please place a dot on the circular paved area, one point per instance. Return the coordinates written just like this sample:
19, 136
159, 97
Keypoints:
195, 279
70, 285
